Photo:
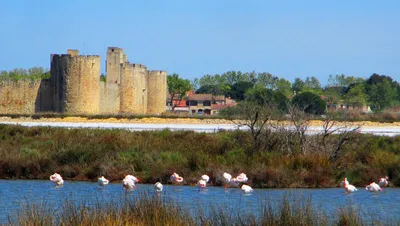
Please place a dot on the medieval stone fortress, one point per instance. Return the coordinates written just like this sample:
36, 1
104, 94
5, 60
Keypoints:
74, 87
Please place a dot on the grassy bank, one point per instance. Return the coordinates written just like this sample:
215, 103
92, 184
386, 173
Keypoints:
85, 154
145, 209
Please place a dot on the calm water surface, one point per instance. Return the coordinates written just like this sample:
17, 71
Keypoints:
14, 193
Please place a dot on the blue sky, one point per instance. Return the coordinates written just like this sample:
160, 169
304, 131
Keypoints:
192, 38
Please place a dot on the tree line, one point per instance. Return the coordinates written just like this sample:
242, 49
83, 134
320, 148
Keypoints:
377, 91
33, 73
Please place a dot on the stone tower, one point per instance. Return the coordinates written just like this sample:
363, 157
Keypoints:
115, 57
156, 91
133, 89
75, 82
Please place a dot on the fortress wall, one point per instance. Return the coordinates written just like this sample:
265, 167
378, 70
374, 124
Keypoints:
75, 88
127, 89
109, 98
76, 84
19, 97
157, 91
115, 57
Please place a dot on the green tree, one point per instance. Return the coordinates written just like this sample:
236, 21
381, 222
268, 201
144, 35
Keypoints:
207, 89
382, 91
177, 87
233, 77
267, 80
239, 89
313, 83
214, 89
356, 95
103, 77
343, 80
250, 77
260, 95
195, 84
218, 81
310, 103
283, 86
298, 85
20, 73
334, 94
267, 97
212, 80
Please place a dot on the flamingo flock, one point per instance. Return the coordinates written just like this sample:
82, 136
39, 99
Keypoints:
236, 181
129, 182
372, 187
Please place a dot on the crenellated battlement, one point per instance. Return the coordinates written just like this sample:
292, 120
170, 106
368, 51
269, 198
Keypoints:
139, 66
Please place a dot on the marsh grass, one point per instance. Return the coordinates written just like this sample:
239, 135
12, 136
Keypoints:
85, 154
148, 209
143, 209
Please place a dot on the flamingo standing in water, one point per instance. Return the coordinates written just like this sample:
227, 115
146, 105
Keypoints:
133, 178
383, 182
373, 187
227, 178
349, 188
102, 181
206, 178
158, 187
345, 181
129, 182
57, 179
246, 189
242, 178
175, 178
201, 184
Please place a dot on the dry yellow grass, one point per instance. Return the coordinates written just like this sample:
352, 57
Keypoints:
155, 120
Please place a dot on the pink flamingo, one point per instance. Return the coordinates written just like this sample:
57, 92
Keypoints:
383, 182
348, 187
57, 179
175, 178
344, 182
205, 177
133, 178
129, 182
102, 181
373, 187
227, 178
201, 184
242, 178
246, 189
158, 187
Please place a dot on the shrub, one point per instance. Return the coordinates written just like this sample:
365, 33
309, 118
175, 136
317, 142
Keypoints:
309, 102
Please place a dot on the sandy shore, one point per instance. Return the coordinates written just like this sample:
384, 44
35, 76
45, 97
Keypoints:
155, 120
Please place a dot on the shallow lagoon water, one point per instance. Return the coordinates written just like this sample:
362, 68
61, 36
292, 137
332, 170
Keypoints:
381, 206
